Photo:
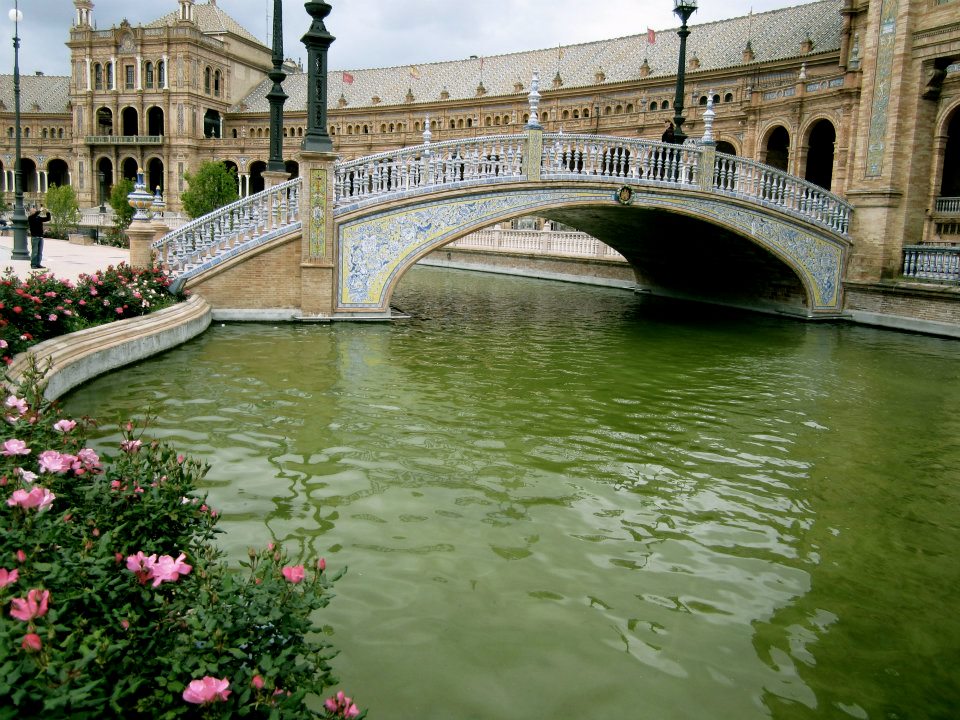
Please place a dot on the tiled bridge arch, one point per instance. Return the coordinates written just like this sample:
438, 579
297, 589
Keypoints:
378, 246
370, 219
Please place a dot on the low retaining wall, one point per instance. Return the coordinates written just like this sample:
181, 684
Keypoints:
916, 307
75, 358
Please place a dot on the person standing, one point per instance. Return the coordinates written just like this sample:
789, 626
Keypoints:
37, 217
668, 136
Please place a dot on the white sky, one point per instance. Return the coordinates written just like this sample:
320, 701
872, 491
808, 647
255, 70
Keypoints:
379, 33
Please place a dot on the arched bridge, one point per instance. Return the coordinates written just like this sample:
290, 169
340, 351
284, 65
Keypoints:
391, 209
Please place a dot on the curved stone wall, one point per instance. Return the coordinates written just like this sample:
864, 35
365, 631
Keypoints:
75, 358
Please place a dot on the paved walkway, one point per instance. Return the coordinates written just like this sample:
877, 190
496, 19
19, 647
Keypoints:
64, 260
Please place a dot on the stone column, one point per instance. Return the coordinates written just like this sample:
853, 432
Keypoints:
272, 178
141, 233
318, 269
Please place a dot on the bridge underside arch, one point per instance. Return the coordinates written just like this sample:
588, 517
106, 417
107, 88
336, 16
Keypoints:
698, 247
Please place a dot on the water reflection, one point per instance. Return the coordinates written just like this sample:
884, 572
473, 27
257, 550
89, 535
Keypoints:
558, 501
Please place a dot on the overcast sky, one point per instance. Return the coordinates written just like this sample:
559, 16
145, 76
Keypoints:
379, 33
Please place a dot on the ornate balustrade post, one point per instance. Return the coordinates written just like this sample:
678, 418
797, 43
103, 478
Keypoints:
319, 252
141, 232
533, 149
708, 149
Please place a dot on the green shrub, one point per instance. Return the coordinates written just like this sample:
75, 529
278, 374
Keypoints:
116, 602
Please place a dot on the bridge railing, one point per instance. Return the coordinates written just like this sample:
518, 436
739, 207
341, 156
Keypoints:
256, 218
630, 159
454, 162
744, 178
932, 262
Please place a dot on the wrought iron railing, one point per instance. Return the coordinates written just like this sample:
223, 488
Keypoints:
932, 262
246, 223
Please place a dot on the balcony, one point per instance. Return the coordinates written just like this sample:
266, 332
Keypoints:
948, 206
124, 139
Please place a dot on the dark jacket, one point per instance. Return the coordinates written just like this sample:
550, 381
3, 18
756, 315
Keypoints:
35, 220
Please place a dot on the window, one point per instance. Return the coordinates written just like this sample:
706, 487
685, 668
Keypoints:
98, 76
653, 105
665, 105
216, 83
109, 76
148, 75
206, 81
128, 77
161, 74
728, 97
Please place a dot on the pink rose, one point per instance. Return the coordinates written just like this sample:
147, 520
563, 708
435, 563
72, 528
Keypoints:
30, 607
89, 459
341, 706
293, 573
53, 462
39, 498
64, 426
15, 447
15, 403
8, 577
167, 569
206, 690
257, 682
131, 446
321, 564
28, 477
31, 642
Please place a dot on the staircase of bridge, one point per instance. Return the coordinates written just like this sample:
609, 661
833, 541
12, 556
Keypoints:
801, 222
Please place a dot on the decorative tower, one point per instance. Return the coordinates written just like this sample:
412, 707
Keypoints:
84, 13
186, 11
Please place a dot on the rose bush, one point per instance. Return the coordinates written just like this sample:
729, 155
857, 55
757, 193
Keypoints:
115, 599
41, 306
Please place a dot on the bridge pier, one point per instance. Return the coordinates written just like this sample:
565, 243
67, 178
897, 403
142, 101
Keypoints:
318, 267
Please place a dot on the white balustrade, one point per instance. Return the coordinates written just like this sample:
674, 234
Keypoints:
948, 205
742, 178
455, 162
254, 219
931, 262
554, 243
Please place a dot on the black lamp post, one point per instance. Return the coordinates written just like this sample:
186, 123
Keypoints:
276, 97
102, 177
684, 9
318, 42
20, 251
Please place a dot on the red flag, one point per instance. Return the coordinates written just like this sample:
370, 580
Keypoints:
651, 36
348, 78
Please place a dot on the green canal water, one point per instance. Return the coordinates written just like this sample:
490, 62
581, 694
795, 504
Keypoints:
559, 501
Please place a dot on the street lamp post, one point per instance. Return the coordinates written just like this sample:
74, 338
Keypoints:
102, 178
19, 216
684, 9
317, 41
276, 97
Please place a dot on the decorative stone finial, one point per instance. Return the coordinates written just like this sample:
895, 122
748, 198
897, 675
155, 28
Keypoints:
708, 117
427, 135
534, 100
645, 69
803, 71
140, 200
158, 203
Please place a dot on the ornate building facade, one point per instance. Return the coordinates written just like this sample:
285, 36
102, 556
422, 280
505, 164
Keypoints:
859, 96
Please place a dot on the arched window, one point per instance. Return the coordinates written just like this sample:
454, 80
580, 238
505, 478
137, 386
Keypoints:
653, 106
217, 77
366, 129
109, 76
161, 74
630, 108
383, 127
98, 76
665, 105
778, 148
469, 122
618, 110
728, 97
59, 133
586, 112
45, 133
716, 99
148, 75
10, 132
26, 132
703, 100
206, 80
565, 115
